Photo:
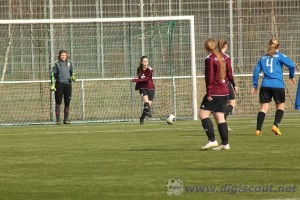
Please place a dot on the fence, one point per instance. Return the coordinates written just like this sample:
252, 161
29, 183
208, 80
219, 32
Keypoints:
246, 25
93, 101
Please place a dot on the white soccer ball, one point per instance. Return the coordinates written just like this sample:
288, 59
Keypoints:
170, 119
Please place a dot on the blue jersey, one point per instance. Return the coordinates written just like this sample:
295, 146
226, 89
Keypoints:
272, 70
297, 101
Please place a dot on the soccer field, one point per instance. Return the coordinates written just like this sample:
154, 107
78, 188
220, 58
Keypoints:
129, 161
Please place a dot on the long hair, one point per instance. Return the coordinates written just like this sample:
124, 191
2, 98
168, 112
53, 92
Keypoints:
221, 44
140, 67
210, 45
273, 46
61, 52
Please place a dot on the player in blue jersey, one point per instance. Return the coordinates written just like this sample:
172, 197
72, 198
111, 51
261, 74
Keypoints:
297, 100
272, 85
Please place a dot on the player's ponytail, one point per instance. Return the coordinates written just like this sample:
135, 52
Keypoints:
222, 63
221, 44
210, 46
273, 46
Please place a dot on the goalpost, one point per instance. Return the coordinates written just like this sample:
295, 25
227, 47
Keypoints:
105, 53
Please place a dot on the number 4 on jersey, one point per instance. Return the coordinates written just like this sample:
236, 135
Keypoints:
269, 63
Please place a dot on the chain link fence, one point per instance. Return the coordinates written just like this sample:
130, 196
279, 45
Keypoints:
247, 25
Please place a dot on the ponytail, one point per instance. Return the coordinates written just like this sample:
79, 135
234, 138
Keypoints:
273, 46
222, 64
210, 46
271, 50
221, 44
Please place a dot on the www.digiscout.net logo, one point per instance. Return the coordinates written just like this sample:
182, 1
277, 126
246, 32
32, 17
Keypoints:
175, 187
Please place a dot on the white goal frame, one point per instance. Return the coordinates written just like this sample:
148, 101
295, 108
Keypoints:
189, 18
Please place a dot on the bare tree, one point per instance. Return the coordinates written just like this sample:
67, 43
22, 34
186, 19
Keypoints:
10, 41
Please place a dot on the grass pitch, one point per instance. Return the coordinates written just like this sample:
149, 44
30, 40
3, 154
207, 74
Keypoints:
129, 161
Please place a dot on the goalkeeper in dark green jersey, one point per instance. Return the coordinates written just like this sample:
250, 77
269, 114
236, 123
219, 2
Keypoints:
62, 75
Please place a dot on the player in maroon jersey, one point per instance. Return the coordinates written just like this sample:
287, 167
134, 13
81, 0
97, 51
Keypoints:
222, 45
144, 84
216, 97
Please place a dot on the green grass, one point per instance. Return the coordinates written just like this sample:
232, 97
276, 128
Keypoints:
129, 161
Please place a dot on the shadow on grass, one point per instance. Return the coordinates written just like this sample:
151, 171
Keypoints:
209, 168
147, 149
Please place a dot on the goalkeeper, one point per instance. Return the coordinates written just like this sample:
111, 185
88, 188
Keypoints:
62, 75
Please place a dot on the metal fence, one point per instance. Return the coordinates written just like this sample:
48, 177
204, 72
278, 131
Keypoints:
252, 24
246, 24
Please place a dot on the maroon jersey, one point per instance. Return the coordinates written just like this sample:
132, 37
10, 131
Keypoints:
145, 79
214, 85
229, 73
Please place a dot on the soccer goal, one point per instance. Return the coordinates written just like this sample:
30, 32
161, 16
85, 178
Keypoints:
105, 53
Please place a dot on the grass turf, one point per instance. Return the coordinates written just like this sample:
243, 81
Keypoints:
129, 161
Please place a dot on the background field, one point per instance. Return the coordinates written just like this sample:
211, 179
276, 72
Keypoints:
128, 161
110, 52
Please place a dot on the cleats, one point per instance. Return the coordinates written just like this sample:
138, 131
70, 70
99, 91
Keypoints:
141, 121
142, 118
148, 114
276, 130
210, 145
58, 123
147, 110
222, 147
66, 122
258, 133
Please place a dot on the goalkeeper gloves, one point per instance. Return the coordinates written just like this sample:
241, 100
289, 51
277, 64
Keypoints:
73, 78
52, 88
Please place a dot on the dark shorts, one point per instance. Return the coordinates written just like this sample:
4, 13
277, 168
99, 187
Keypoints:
218, 104
63, 90
147, 92
231, 91
266, 94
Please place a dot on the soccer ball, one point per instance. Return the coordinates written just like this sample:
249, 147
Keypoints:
170, 119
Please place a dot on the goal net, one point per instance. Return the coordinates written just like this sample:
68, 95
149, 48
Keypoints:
105, 54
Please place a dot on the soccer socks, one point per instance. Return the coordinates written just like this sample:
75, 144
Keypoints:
223, 131
66, 113
146, 112
260, 120
147, 109
228, 111
208, 128
278, 117
142, 118
57, 112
